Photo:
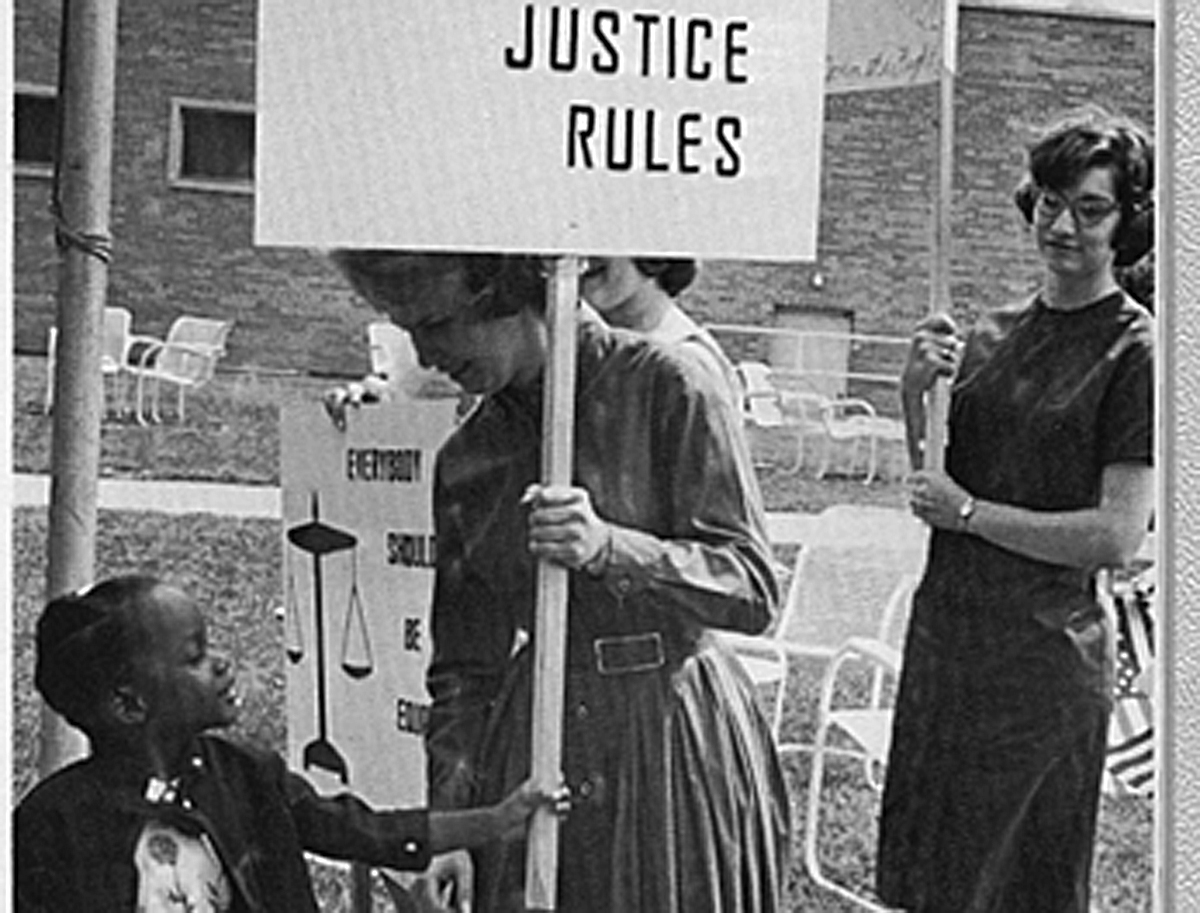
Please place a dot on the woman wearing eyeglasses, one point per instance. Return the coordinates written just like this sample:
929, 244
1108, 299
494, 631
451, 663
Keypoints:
999, 736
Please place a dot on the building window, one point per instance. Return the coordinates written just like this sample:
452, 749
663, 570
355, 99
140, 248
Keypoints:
35, 130
212, 146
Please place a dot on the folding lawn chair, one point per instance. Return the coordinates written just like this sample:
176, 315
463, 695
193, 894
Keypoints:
856, 727
187, 357
391, 349
847, 604
769, 405
113, 355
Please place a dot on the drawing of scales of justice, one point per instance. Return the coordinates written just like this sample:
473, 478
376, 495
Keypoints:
321, 540
357, 551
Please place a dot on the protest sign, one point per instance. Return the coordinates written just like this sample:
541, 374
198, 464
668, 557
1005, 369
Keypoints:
358, 556
694, 129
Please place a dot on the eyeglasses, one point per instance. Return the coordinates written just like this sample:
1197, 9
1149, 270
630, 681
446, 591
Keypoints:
1087, 212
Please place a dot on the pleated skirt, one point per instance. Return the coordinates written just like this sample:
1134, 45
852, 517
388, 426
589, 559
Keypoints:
679, 800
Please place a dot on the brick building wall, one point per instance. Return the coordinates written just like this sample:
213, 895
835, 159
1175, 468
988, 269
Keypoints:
176, 250
189, 251
1017, 70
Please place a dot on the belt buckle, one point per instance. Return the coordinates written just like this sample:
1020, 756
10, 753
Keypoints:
608, 653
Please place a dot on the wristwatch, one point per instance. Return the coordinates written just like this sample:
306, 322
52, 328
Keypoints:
965, 512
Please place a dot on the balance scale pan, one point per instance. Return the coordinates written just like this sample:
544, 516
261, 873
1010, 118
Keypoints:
318, 539
321, 753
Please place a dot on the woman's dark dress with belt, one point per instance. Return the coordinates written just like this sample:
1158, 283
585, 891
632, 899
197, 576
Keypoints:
679, 802
999, 737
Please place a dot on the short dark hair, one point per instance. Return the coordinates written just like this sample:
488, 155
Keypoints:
86, 644
673, 274
515, 279
1090, 137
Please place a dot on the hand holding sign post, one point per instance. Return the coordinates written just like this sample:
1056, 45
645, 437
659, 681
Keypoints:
551, 611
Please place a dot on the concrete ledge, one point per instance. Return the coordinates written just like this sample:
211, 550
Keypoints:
266, 501
172, 497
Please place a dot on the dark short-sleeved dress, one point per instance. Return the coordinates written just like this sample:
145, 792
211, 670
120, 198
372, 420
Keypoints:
999, 736
680, 805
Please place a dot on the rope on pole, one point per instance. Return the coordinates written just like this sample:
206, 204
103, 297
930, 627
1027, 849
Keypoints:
93, 244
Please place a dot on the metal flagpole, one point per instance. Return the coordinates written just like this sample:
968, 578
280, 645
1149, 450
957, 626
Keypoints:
938, 402
82, 196
550, 626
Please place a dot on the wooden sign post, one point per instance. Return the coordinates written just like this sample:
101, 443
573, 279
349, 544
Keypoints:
938, 402
550, 624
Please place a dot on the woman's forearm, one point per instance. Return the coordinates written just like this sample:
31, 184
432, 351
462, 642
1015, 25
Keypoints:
1090, 538
730, 585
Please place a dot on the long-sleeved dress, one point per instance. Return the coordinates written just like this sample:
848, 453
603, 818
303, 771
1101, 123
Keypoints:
999, 737
679, 801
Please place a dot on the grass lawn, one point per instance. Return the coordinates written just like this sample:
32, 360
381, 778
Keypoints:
231, 435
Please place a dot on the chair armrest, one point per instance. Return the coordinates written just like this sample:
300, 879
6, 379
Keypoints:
136, 344
777, 648
151, 348
803, 406
151, 359
760, 657
885, 658
872, 649
848, 407
197, 348
753, 644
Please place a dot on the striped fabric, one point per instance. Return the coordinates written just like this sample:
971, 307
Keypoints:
1130, 768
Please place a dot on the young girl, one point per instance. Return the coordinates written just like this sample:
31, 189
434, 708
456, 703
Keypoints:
162, 817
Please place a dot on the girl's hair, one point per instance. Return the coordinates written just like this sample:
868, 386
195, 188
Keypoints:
1091, 137
673, 274
86, 643
515, 281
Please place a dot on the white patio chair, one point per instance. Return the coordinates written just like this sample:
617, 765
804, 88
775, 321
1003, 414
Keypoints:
396, 367
187, 357
772, 400
804, 411
114, 355
854, 421
847, 601
856, 729
391, 350
760, 399
843, 578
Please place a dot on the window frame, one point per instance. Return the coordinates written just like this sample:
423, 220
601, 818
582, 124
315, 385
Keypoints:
175, 143
25, 168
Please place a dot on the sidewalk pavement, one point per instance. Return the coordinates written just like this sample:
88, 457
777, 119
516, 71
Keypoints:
266, 502
172, 497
